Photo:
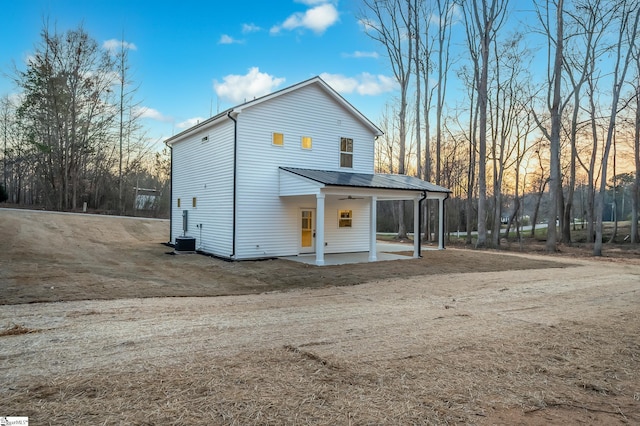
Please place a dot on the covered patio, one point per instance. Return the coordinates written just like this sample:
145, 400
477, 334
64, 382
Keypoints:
323, 184
385, 251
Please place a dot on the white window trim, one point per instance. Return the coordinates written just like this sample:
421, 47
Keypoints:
350, 218
345, 153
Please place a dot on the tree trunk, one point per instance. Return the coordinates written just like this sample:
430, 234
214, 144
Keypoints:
402, 229
635, 194
482, 136
614, 205
555, 185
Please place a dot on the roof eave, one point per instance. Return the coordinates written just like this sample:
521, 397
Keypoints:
409, 186
200, 126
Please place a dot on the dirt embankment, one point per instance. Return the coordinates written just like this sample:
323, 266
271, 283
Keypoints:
62, 257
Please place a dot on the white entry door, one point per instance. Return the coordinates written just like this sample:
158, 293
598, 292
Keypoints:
307, 230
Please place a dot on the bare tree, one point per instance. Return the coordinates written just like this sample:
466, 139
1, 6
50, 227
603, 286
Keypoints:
17, 153
635, 206
523, 129
555, 108
628, 16
130, 135
426, 67
471, 77
389, 22
589, 20
589, 167
442, 42
487, 16
66, 87
6, 117
555, 184
445, 14
541, 184
415, 32
388, 143
507, 105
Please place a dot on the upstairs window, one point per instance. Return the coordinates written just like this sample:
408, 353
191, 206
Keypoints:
278, 139
346, 152
306, 142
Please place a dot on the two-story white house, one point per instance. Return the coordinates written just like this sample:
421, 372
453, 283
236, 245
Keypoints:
290, 173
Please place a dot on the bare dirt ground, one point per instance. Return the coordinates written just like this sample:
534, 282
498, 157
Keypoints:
458, 337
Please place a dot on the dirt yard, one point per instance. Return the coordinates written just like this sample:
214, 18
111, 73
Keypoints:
458, 337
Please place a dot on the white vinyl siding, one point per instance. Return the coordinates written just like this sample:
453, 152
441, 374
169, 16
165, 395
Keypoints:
291, 184
344, 240
266, 222
204, 172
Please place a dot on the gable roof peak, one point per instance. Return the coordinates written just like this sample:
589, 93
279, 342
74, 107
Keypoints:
234, 111
317, 80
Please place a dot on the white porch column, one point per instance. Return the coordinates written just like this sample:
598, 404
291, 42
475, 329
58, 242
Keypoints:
373, 229
441, 224
416, 227
320, 229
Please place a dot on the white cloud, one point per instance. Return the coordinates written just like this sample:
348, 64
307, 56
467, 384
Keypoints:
227, 39
189, 122
153, 114
362, 84
250, 28
316, 19
240, 88
359, 54
454, 16
114, 45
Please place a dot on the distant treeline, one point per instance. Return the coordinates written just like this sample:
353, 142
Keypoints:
72, 137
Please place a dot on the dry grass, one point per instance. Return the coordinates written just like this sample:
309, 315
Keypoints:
16, 330
594, 374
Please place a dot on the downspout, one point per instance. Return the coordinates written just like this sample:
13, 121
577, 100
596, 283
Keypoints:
235, 182
418, 232
170, 193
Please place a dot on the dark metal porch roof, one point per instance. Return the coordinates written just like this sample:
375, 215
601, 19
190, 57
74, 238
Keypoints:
364, 180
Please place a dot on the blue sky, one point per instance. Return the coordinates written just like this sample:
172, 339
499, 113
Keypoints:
192, 58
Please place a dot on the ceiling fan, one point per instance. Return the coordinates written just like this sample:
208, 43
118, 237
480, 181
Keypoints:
350, 197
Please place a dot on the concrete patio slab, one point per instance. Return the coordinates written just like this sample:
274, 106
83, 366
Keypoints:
384, 252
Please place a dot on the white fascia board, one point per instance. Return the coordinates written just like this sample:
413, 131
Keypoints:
210, 122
